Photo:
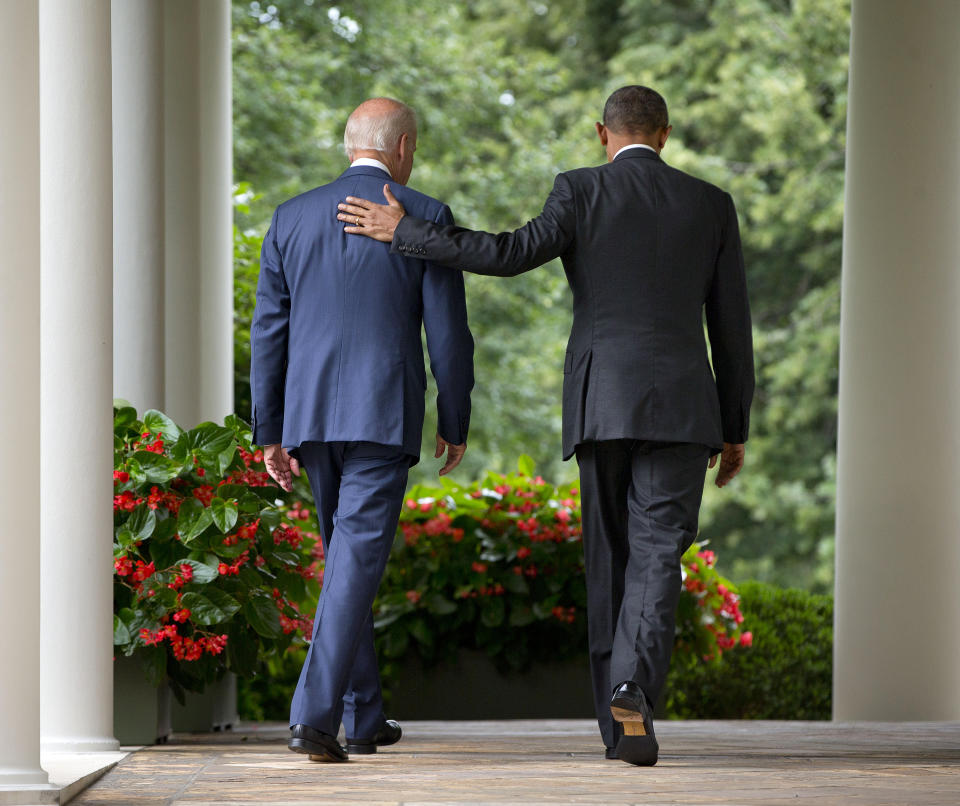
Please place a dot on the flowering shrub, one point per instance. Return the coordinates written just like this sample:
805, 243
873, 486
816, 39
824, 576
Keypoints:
212, 560
498, 566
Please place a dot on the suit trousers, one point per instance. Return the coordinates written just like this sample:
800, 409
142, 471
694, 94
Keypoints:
640, 505
358, 488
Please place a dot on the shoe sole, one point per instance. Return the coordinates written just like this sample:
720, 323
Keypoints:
315, 751
631, 720
361, 749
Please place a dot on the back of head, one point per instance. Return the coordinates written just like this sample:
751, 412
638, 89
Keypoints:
635, 110
377, 124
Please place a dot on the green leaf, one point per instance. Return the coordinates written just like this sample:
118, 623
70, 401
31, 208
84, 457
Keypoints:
419, 630
440, 605
493, 612
124, 416
515, 583
521, 616
141, 523
270, 518
154, 662
396, 641
225, 459
121, 633
158, 422
210, 439
157, 469
125, 539
224, 513
261, 611
285, 555
243, 646
202, 572
526, 465
194, 517
137, 474
211, 607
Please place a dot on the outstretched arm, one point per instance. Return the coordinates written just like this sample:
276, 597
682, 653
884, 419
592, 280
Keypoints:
503, 255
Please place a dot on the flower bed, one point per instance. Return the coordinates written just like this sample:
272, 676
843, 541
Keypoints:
212, 565
498, 566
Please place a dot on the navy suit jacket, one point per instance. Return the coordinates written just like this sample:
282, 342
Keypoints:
335, 341
647, 250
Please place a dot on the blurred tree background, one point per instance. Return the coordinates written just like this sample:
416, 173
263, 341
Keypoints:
507, 93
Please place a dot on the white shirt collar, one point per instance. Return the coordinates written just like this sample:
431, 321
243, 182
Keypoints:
634, 145
372, 163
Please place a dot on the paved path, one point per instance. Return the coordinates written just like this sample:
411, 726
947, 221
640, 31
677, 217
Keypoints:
521, 762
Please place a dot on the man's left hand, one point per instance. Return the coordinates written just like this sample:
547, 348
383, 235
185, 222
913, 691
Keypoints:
378, 221
280, 465
454, 454
731, 460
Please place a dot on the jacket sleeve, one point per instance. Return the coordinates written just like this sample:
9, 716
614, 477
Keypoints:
504, 255
729, 329
449, 344
268, 342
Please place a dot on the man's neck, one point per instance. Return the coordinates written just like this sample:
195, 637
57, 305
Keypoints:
375, 158
616, 144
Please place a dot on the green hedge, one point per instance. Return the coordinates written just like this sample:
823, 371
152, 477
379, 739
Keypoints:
786, 674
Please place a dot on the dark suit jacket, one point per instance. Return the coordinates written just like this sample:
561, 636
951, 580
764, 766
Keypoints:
335, 340
646, 248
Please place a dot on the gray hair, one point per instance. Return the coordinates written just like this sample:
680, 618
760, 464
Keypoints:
377, 125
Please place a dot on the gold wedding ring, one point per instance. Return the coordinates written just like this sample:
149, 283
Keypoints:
358, 221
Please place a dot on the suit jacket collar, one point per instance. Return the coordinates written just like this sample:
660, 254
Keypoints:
637, 153
366, 170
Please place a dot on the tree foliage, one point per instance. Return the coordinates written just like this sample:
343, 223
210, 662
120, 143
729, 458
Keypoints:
507, 94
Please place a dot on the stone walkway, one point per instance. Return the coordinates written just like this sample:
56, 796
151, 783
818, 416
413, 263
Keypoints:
521, 762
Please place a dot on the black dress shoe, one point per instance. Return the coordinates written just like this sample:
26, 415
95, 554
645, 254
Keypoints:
611, 753
630, 707
389, 733
319, 746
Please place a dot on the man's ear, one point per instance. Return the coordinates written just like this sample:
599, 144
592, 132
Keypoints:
602, 134
664, 134
402, 146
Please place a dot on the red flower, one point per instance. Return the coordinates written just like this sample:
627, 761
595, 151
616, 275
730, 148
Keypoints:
413, 596
126, 501
223, 568
123, 566
562, 515
746, 639
204, 494
523, 552
480, 568
121, 476
144, 570
182, 615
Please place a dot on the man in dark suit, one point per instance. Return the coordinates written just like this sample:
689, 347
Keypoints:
646, 249
337, 381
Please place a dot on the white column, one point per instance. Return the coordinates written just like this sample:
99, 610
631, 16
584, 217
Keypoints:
199, 235
76, 673
897, 642
138, 310
20, 480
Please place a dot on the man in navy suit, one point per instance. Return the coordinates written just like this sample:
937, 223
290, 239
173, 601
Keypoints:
337, 381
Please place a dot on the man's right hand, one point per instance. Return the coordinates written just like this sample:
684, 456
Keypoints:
454, 454
378, 221
280, 465
731, 460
